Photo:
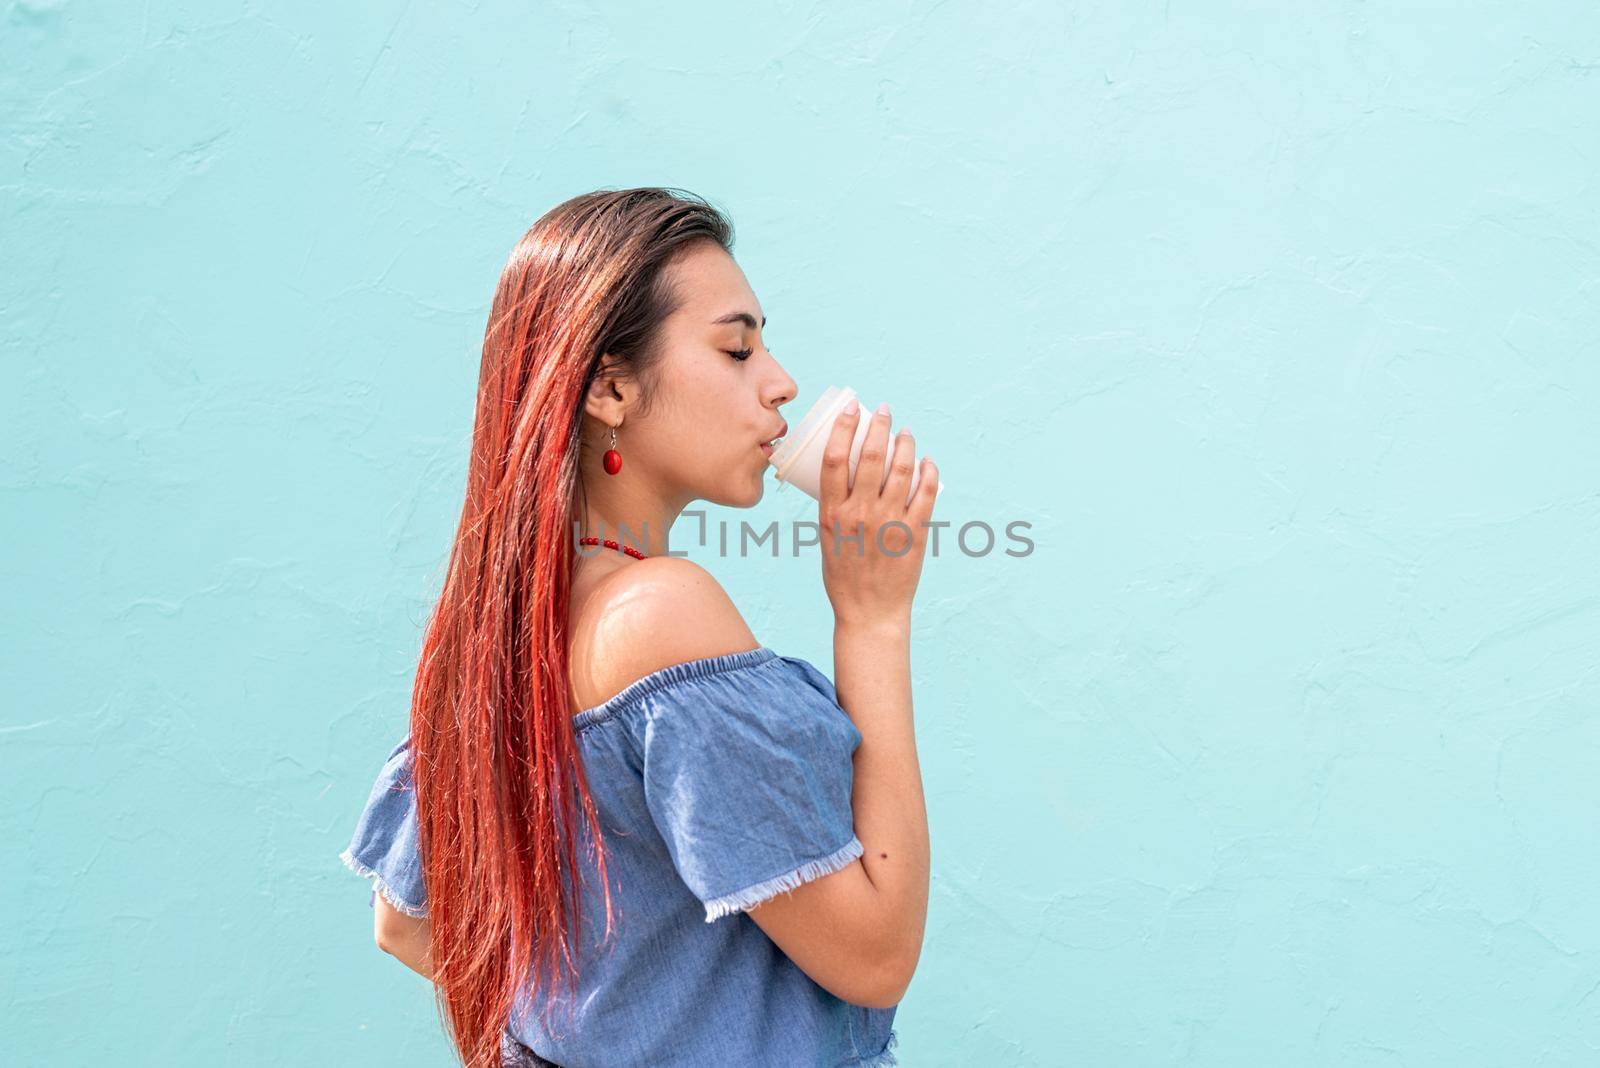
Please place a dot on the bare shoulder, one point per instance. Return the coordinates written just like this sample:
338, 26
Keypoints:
650, 615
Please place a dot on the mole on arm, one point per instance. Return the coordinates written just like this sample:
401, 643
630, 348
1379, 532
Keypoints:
885, 856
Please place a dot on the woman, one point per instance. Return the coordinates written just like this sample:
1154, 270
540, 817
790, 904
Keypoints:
754, 838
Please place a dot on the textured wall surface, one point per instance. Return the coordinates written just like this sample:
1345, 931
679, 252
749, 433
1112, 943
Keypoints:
1278, 322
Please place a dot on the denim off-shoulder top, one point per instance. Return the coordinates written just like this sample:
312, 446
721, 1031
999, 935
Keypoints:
719, 783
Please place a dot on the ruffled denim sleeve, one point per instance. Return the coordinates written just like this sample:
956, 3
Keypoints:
384, 846
747, 776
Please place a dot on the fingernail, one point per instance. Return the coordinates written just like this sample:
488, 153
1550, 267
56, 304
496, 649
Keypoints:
883, 409
852, 407
905, 430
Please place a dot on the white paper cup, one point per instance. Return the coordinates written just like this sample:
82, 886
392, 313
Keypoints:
797, 460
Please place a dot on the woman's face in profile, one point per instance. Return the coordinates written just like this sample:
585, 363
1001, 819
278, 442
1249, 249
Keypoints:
717, 391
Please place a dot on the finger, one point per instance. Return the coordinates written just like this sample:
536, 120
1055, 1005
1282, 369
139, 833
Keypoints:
898, 488
869, 468
836, 456
927, 489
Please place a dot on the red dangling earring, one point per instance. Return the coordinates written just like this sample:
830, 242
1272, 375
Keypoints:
612, 459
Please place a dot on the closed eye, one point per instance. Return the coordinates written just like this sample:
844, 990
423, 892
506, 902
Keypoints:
740, 354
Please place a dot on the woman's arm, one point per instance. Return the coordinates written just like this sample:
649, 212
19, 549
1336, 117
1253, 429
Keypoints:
872, 669
405, 938
874, 912
875, 536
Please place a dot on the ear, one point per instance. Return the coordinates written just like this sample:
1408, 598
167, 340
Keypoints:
612, 393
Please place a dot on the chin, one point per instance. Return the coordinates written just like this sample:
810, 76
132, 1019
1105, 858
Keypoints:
746, 493
751, 497
746, 496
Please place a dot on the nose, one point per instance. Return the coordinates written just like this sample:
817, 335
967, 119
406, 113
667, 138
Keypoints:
781, 389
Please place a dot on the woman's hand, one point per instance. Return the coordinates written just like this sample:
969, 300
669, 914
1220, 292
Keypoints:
873, 539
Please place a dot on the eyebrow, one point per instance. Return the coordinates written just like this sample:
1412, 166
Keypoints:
740, 317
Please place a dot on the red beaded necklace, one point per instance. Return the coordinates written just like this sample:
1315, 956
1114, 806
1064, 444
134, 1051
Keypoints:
609, 544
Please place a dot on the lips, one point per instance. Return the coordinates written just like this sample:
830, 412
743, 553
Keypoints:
778, 437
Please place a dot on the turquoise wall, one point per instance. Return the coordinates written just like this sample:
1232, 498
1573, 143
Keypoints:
1278, 325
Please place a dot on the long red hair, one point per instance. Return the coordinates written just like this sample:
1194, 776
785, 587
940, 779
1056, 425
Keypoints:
500, 789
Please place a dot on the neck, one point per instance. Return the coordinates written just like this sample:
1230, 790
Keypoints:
628, 513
